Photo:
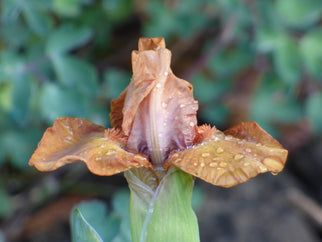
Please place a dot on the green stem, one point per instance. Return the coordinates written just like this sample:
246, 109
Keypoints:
166, 213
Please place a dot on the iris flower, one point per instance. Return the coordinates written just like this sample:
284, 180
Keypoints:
154, 126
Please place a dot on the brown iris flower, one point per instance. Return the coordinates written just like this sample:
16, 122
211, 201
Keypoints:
154, 126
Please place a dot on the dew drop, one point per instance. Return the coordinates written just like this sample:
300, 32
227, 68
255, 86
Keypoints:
166, 73
158, 85
270, 162
192, 124
111, 152
228, 137
238, 156
213, 164
248, 150
262, 168
195, 163
205, 154
274, 173
98, 158
182, 105
246, 164
223, 164
175, 155
258, 144
164, 105
220, 150
202, 164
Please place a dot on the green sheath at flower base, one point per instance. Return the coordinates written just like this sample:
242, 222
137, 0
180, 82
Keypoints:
163, 214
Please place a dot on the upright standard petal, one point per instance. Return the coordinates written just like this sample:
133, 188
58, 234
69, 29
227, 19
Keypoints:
159, 111
76, 139
229, 158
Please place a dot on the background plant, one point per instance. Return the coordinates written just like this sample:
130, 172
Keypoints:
248, 60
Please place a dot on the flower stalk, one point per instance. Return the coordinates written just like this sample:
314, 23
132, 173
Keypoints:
162, 212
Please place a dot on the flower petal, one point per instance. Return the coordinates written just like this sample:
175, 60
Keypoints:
159, 111
76, 139
229, 158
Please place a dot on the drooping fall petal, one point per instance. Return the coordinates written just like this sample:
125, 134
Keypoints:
76, 139
159, 111
229, 158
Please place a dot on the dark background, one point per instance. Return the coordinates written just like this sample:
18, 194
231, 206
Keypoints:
248, 60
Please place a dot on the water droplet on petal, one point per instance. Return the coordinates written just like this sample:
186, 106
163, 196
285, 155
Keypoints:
175, 155
192, 124
164, 105
98, 158
111, 152
262, 168
272, 163
202, 164
182, 105
195, 163
228, 137
246, 164
158, 85
220, 150
223, 164
274, 173
248, 150
238, 156
166, 73
205, 154
213, 164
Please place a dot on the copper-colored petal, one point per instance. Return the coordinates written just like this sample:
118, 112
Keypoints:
116, 115
233, 157
76, 139
159, 111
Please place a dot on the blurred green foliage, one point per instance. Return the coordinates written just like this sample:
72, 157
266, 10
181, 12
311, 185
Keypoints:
65, 58
91, 221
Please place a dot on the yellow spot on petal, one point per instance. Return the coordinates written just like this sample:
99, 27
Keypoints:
220, 150
205, 154
238, 156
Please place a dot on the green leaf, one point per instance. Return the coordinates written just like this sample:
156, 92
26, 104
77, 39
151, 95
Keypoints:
117, 10
21, 96
272, 104
12, 66
115, 81
5, 208
15, 34
311, 51
67, 38
229, 61
164, 214
206, 90
38, 20
9, 11
91, 218
120, 205
73, 72
70, 8
313, 111
287, 60
19, 144
299, 13
57, 101
81, 229
267, 39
